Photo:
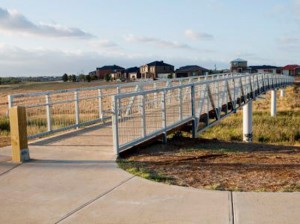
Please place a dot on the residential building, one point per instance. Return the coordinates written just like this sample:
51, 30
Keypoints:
115, 71
238, 66
154, 69
191, 70
265, 69
291, 70
133, 73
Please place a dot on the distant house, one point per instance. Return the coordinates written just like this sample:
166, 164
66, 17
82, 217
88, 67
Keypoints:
190, 70
265, 69
238, 66
154, 69
115, 71
133, 73
93, 73
291, 70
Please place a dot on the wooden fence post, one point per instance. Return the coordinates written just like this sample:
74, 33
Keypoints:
18, 132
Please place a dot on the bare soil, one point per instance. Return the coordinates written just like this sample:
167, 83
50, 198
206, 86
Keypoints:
4, 141
217, 165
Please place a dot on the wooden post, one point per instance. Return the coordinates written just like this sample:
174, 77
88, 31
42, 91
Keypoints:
18, 132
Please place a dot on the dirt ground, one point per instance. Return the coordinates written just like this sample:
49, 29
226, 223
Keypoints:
4, 141
212, 164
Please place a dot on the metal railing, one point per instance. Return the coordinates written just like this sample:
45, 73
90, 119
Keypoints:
55, 111
140, 116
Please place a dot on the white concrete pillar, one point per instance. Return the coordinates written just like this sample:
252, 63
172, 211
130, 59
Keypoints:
247, 122
282, 93
273, 103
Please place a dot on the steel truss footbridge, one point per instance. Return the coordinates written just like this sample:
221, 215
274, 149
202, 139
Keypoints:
141, 111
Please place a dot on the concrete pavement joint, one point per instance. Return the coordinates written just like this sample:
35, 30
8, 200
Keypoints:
7, 171
93, 200
231, 209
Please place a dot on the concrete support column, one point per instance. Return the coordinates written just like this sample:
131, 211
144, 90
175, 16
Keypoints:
282, 93
247, 122
18, 133
273, 103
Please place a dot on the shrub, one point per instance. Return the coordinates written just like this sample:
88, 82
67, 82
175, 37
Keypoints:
4, 124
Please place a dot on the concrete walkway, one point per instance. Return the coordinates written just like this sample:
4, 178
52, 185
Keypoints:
74, 179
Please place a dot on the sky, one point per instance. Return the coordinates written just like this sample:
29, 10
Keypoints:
41, 38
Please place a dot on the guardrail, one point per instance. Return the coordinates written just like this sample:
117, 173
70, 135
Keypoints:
55, 111
140, 116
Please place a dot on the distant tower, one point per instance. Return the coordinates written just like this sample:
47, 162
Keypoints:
238, 66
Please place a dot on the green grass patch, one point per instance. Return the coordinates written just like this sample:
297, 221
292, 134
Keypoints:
4, 125
136, 169
291, 188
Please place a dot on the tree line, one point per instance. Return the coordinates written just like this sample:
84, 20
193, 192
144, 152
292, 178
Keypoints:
79, 78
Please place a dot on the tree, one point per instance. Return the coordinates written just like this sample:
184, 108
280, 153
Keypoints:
107, 77
74, 79
170, 76
65, 77
88, 78
94, 77
82, 77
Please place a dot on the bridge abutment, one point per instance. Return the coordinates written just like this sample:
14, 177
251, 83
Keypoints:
273, 103
247, 122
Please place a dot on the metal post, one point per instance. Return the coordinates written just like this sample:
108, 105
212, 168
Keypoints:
115, 125
234, 97
76, 95
10, 101
118, 92
194, 126
273, 103
207, 107
247, 122
100, 104
155, 95
180, 104
282, 93
164, 116
143, 113
10, 104
218, 98
48, 113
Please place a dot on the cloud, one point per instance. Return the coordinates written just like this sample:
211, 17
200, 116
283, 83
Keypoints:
157, 42
103, 43
197, 35
17, 61
289, 43
289, 40
14, 22
297, 7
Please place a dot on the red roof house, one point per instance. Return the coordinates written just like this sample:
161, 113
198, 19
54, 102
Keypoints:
291, 70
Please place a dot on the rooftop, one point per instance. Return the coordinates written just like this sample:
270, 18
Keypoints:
191, 68
239, 60
255, 67
111, 67
159, 63
132, 69
290, 67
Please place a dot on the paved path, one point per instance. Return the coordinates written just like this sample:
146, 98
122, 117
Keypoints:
74, 179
